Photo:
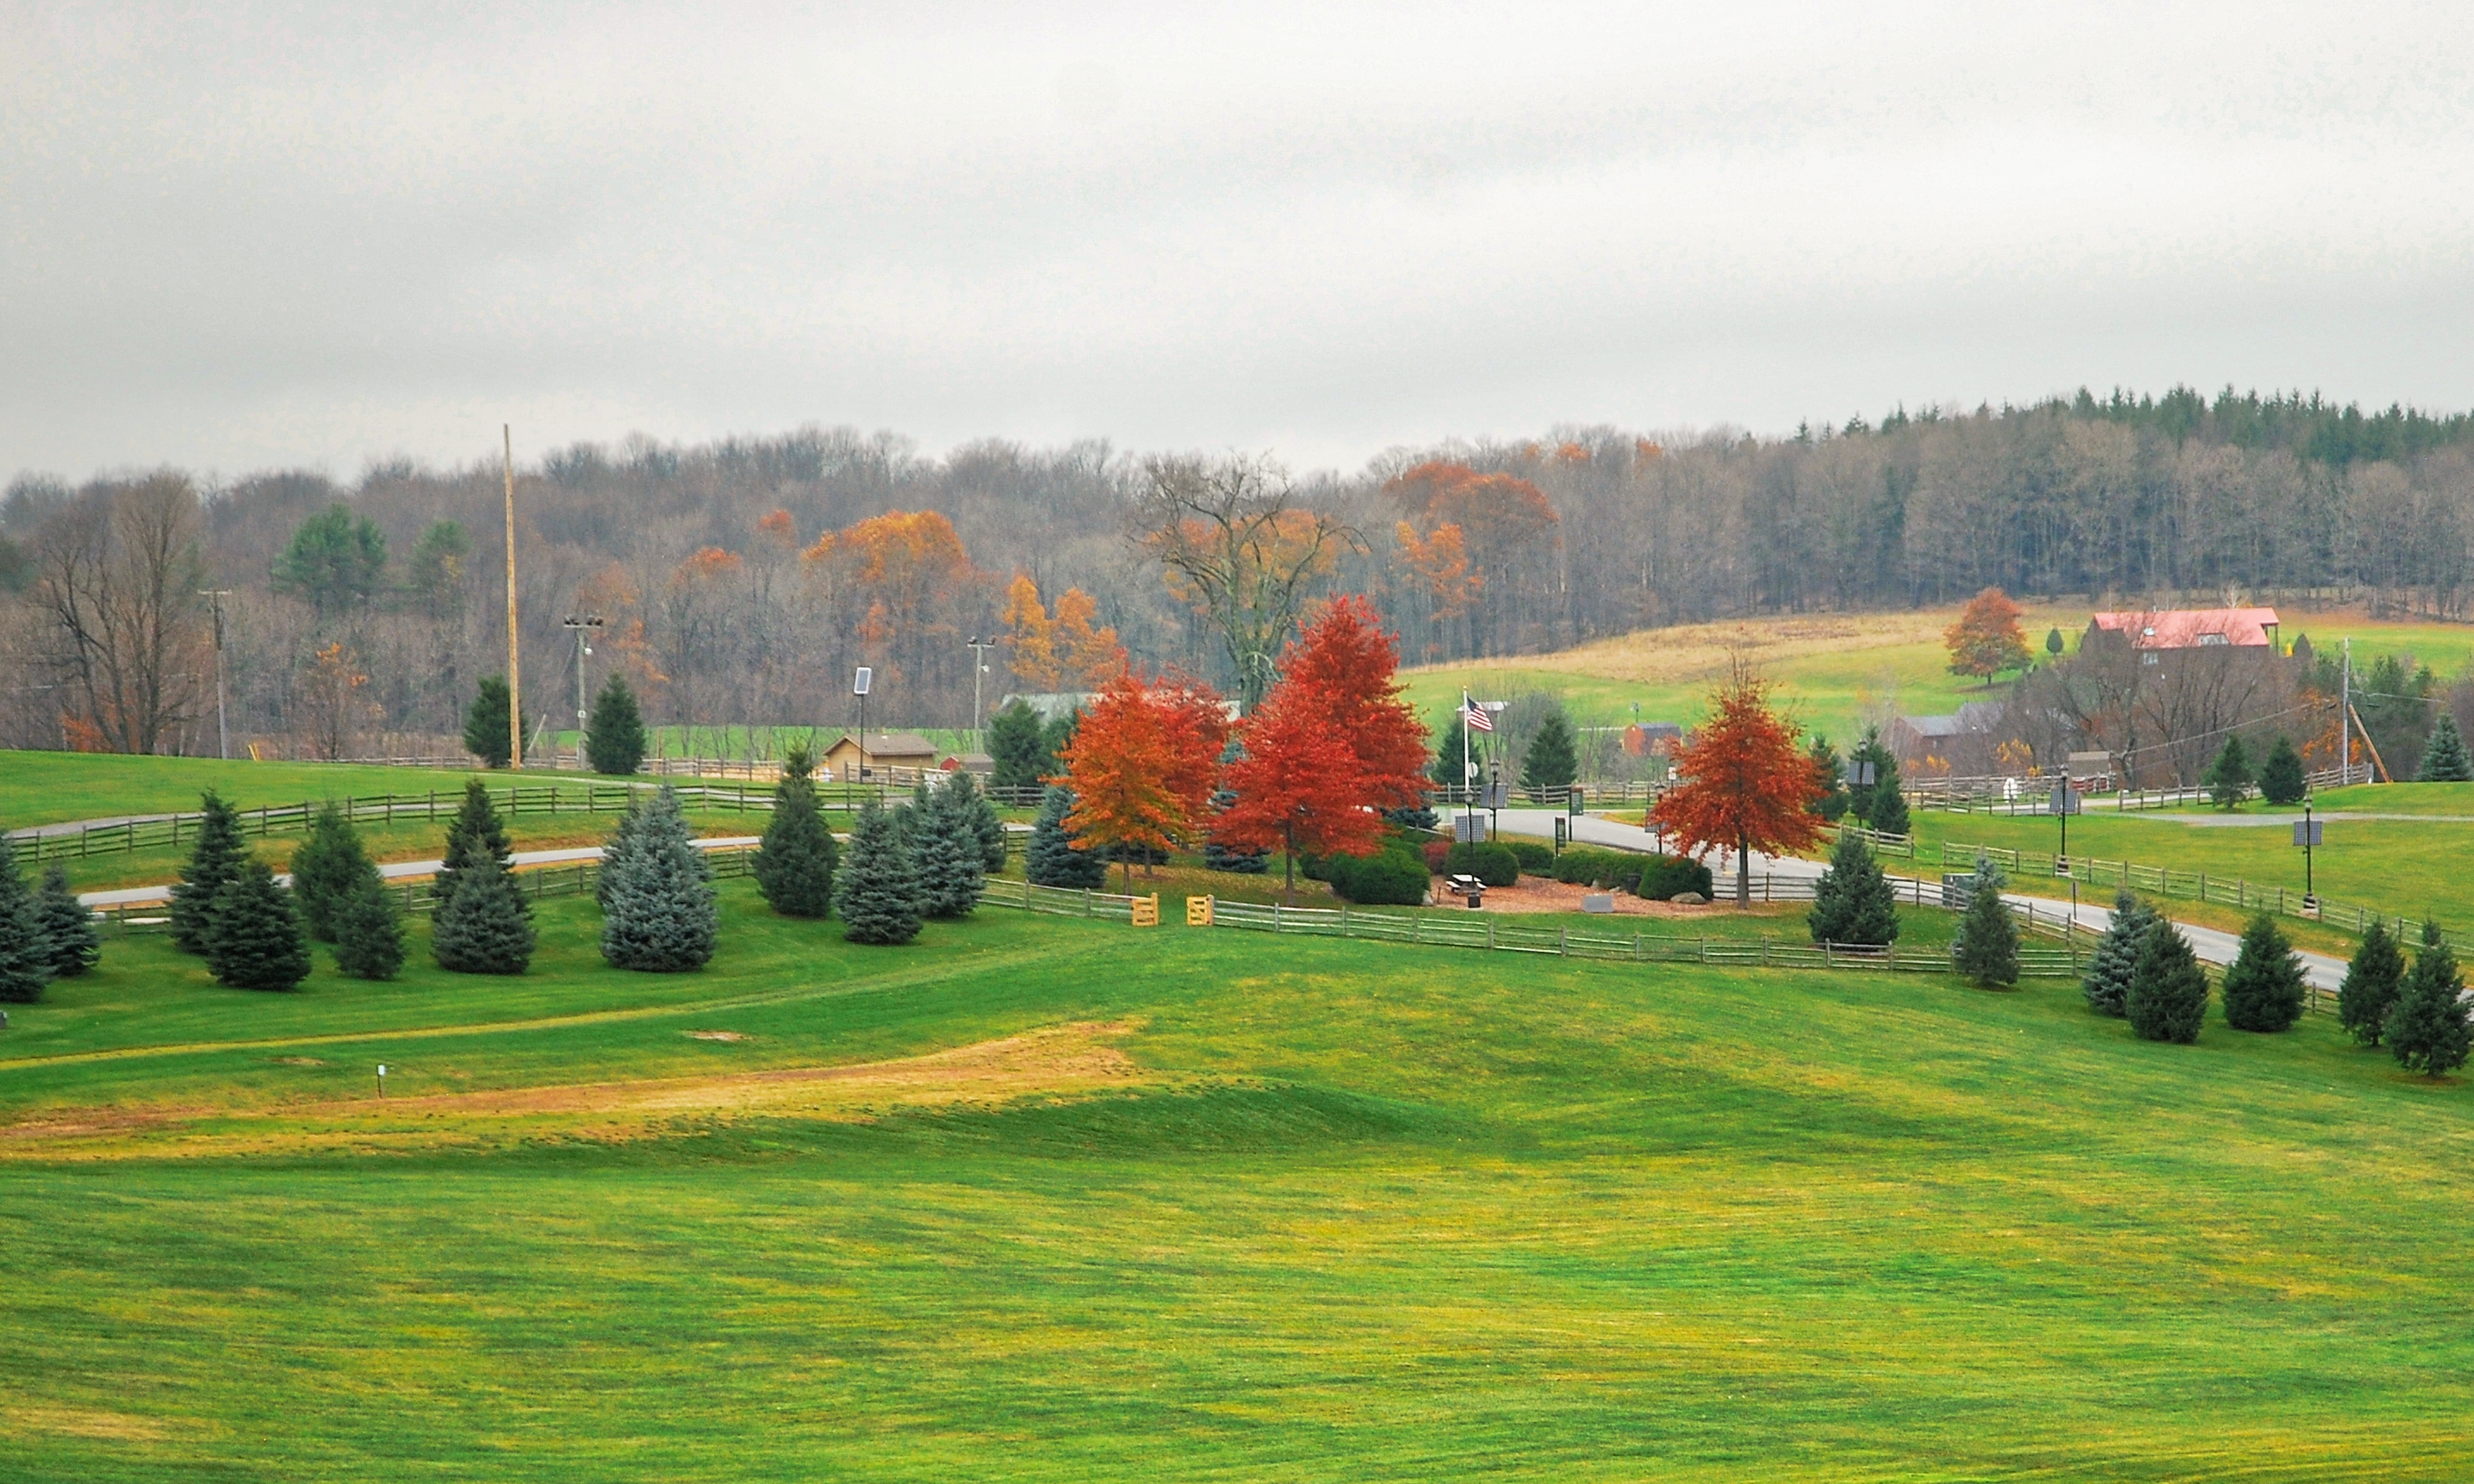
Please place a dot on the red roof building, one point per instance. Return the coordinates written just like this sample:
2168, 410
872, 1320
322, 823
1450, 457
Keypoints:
2193, 628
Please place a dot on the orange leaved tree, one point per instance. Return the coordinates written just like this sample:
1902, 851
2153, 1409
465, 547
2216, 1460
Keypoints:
1746, 784
1140, 765
1331, 746
1987, 640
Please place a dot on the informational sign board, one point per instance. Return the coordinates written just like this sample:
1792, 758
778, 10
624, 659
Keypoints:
2306, 832
865, 678
1467, 829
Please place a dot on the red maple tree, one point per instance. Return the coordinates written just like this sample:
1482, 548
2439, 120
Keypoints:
1330, 747
1987, 640
1746, 784
1141, 765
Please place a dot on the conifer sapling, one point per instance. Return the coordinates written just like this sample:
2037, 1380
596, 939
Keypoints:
68, 924
794, 865
2169, 990
257, 941
875, 892
2427, 1030
2373, 980
213, 860
1852, 902
2264, 989
26, 964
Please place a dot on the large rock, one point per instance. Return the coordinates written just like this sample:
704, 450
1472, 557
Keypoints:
1689, 899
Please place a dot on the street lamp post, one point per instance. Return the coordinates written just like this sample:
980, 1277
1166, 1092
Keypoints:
861, 684
583, 629
2306, 834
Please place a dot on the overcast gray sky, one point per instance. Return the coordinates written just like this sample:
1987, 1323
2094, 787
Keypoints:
234, 236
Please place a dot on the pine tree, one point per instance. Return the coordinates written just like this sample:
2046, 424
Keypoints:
613, 744
1451, 760
2373, 980
326, 870
1852, 902
26, 956
660, 916
2169, 990
2263, 990
981, 816
2281, 779
1890, 804
1218, 857
257, 942
1986, 951
2427, 1030
875, 892
486, 926
1551, 761
2229, 778
794, 865
485, 725
212, 863
368, 932
620, 846
475, 831
2444, 754
1831, 774
944, 853
2107, 984
1016, 748
69, 923
1052, 861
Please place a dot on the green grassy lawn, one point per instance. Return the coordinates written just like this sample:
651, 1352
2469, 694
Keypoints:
1083, 1201
47, 787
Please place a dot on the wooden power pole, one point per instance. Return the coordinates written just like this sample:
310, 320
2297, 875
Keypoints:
515, 678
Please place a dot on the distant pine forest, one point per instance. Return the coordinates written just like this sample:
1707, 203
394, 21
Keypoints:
739, 580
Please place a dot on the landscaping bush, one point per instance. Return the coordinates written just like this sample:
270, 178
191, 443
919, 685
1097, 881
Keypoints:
1436, 853
1387, 877
1665, 878
1535, 858
1496, 864
1582, 866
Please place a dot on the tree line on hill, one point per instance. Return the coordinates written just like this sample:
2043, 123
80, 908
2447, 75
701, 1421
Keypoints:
741, 580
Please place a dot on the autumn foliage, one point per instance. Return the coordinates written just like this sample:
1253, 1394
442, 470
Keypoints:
1065, 653
1987, 640
1746, 785
1331, 745
1141, 765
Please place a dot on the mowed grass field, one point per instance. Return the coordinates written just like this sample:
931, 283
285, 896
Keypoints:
1040, 1199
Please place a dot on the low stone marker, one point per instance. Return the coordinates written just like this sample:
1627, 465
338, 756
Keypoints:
1598, 902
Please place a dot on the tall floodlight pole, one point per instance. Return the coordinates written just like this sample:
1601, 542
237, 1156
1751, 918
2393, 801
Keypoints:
980, 649
582, 628
223, 733
515, 678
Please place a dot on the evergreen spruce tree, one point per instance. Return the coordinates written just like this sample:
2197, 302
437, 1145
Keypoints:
486, 926
326, 870
1016, 748
2444, 754
945, 853
2107, 984
615, 742
2427, 1030
1986, 952
1217, 857
2229, 778
2373, 980
485, 723
660, 915
212, 863
368, 932
475, 831
1551, 761
874, 893
2281, 779
1830, 773
26, 959
619, 847
2169, 990
257, 941
1052, 861
794, 865
981, 816
69, 923
1852, 903
1057, 735
2263, 990
1447, 768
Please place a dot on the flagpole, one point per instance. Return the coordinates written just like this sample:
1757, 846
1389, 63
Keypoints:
1465, 800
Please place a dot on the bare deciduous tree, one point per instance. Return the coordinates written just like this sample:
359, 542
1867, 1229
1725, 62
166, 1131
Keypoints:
119, 579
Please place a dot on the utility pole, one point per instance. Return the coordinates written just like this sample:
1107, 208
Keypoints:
583, 629
223, 733
515, 678
980, 649
2344, 713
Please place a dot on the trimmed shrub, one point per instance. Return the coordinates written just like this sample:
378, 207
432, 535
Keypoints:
794, 865
2107, 984
1585, 867
1535, 858
2373, 981
2263, 990
1852, 903
1665, 878
2281, 779
213, 860
325, 870
875, 892
257, 942
2169, 990
2427, 1030
1494, 863
1436, 853
613, 744
67, 922
1986, 951
660, 916
1387, 877
25, 948
486, 927
1052, 861
369, 933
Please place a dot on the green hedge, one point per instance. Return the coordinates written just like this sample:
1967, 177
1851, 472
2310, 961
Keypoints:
1664, 877
1492, 864
1386, 879
1587, 867
1535, 858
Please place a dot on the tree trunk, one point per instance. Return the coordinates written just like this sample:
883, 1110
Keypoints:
1743, 874
1289, 860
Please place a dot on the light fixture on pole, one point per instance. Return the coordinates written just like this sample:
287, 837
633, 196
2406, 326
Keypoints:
980, 649
583, 629
861, 684
2306, 834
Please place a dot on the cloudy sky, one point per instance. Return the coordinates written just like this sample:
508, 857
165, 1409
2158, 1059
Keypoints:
235, 236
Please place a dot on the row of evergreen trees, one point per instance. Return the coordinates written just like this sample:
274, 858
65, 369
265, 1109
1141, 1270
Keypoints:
1853, 904
916, 860
45, 931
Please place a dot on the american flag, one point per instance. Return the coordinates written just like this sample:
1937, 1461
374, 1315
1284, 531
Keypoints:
1480, 719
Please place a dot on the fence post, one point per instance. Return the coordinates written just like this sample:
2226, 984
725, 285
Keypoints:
1490, 932
1564, 941
1636, 948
